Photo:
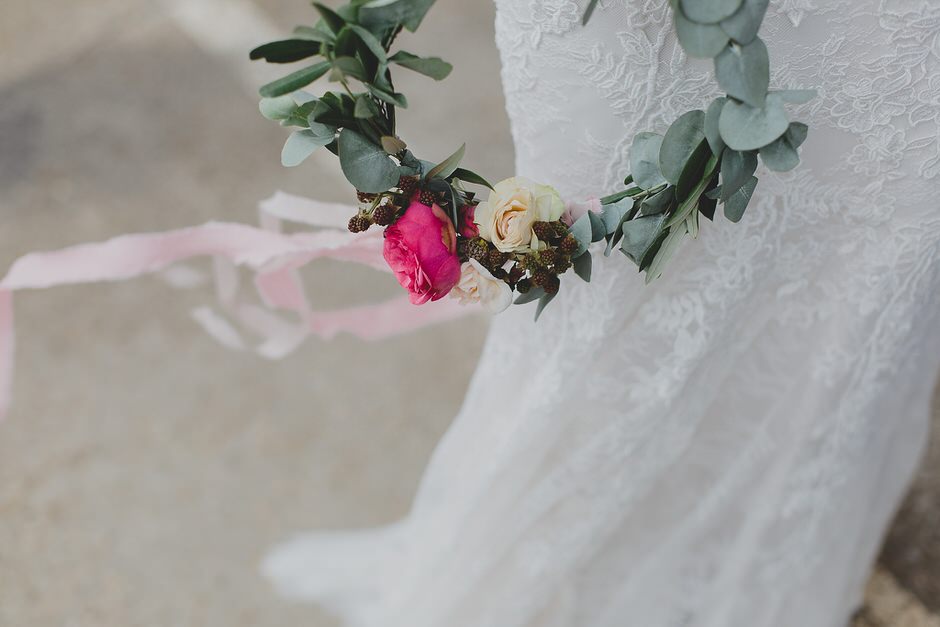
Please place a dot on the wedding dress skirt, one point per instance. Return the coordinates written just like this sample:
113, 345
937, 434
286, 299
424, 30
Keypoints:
726, 446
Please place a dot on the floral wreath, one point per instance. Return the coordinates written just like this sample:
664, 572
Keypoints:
439, 239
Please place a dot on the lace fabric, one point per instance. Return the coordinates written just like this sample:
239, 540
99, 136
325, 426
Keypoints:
726, 446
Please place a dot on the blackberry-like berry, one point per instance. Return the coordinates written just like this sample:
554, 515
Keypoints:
359, 223
548, 257
477, 249
364, 197
551, 285
408, 185
544, 231
495, 259
383, 215
563, 264
427, 197
524, 286
569, 244
542, 277
515, 273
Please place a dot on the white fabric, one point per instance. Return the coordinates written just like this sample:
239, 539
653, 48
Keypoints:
724, 447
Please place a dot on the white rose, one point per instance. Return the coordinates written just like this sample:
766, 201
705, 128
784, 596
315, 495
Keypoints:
506, 218
477, 285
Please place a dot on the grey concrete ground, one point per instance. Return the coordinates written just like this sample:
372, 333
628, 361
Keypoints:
143, 468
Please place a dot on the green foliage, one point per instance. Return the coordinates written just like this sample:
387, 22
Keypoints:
366, 165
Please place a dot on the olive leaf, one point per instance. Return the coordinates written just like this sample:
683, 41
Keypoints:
737, 203
702, 41
285, 51
644, 160
709, 11
681, 141
332, 19
300, 145
436, 68
446, 167
745, 23
744, 72
366, 165
365, 107
294, 80
389, 13
744, 127
370, 41
667, 249
468, 176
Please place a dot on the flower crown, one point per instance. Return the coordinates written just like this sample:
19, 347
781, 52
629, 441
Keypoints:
513, 246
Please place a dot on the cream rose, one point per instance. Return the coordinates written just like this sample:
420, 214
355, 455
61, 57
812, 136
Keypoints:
477, 285
506, 218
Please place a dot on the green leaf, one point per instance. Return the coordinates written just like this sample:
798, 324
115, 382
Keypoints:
582, 231
692, 173
313, 34
640, 235
285, 51
744, 72
388, 13
299, 146
613, 214
712, 134
666, 251
279, 108
365, 164
365, 107
543, 303
736, 170
689, 204
782, 155
744, 127
533, 294
588, 12
370, 41
582, 267
644, 160
744, 24
737, 203
701, 41
469, 176
295, 80
709, 11
658, 203
434, 67
680, 143
598, 228
348, 66
396, 99
796, 134
446, 167
332, 19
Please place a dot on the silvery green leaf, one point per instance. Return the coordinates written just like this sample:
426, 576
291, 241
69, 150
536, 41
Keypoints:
692, 173
582, 267
365, 107
780, 156
543, 303
433, 67
388, 13
744, 72
370, 41
613, 214
644, 160
302, 97
365, 164
680, 143
709, 11
640, 234
796, 134
668, 248
658, 203
702, 41
736, 170
795, 96
744, 24
737, 203
533, 294
446, 167
714, 193
692, 224
295, 80
592, 4
598, 228
279, 108
582, 231
712, 134
299, 146
744, 127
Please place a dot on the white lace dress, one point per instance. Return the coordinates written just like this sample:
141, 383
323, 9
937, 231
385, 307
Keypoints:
724, 447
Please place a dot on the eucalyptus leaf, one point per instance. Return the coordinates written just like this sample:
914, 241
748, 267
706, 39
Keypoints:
598, 228
736, 170
744, 72
365, 107
644, 160
796, 134
666, 251
286, 50
582, 267
582, 231
681, 141
588, 12
745, 23
658, 203
712, 134
436, 68
533, 294
348, 66
299, 146
709, 11
366, 165
744, 127
373, 44
701, 41
392, 98
780, 156
692, 172
279, 108
640, 234
543, 303
613, 214
295, 80
737, 203
446, 167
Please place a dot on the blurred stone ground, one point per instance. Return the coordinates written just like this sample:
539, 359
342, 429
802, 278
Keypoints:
143, 468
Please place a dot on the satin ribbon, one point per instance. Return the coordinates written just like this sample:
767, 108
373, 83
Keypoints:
273, 256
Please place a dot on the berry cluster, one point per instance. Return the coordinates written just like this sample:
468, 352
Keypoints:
382, 209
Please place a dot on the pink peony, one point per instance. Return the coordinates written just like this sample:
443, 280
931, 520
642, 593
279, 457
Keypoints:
468, 228
421, 249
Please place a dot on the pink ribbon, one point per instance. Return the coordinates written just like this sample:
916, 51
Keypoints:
273, 256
